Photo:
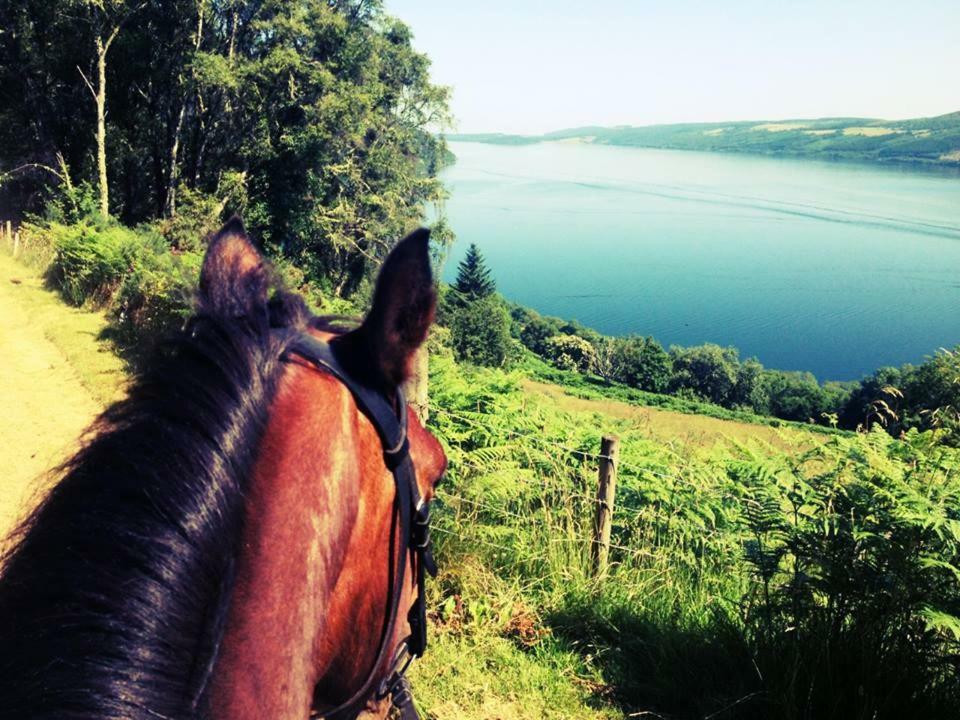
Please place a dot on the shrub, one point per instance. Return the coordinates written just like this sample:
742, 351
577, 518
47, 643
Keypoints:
569, 352
536, 333
855, 607
90, 260
198, 215
155, 298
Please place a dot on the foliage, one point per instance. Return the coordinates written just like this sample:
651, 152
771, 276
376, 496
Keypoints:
533, 330
794, 395
313, 117
931, 395
480, 332
925, 397
155, 298
854, 553
569, 352
757, 582
90, 260
201, 214
708, 370
640, 362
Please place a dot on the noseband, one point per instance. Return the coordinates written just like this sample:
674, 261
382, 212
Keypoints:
390, 421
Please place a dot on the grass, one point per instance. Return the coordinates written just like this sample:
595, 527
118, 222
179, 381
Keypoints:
481, 675
590, 387
674, 427
77, 333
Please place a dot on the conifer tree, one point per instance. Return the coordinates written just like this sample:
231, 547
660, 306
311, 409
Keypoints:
473, 276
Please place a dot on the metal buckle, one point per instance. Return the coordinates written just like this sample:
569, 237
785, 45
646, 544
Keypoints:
420, 534
399, 665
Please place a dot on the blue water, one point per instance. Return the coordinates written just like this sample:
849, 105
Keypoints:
829, 267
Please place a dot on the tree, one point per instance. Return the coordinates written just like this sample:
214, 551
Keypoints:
795, 396
316, 118
708, 370
473, 277
480, 332
640, 362
932, 395
750, 390
107, 18
536, 332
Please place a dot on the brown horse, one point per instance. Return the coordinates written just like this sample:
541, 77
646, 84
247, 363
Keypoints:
236, 539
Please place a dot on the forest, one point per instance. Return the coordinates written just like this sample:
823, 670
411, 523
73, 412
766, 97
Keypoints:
802, 563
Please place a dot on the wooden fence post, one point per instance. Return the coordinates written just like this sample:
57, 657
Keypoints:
606, 490
415, 389
8, 232
16, 242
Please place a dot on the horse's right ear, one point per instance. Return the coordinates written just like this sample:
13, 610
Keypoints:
234, 278
403, 307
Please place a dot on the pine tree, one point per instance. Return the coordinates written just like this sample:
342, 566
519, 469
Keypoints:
473, 276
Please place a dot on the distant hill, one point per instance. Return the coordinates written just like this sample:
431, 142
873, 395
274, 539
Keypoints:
932, 141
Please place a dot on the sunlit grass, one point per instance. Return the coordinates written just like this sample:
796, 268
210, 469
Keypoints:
77, 333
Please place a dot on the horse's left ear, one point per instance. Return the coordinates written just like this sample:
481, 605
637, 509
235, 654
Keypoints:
404, 303
234, 278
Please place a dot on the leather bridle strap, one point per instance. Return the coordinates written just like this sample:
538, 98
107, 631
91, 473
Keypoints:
390, 422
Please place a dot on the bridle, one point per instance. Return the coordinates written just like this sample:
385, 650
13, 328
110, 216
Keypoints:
390, 420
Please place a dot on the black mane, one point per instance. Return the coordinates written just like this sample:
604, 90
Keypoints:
114, 591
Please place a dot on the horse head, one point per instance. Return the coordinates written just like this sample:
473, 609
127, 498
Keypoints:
245, 535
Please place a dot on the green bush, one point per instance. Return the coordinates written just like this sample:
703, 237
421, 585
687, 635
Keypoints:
640, 362
708, 370
744, 582
569, 352
132, 273
854, 609
91, 259
155, 298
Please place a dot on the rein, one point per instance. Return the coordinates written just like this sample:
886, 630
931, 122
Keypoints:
390, 421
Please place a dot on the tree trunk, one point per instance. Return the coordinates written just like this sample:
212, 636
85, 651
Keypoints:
174, 176
101, 100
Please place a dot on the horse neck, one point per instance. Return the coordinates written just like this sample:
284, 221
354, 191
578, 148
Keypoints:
309, 555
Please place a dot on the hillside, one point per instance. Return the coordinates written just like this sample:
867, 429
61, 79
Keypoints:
929, 141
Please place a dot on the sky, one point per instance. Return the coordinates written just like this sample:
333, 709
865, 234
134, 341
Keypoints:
532, 67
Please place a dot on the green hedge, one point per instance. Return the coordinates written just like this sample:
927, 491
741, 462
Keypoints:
145, 287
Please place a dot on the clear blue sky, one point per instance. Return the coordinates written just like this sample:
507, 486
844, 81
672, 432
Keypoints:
532, 67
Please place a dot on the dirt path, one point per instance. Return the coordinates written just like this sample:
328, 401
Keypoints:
43, 405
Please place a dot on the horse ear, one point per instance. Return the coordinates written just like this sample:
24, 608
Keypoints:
404, 303
234, 277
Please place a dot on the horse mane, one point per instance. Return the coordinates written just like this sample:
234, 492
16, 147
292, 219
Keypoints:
114, 590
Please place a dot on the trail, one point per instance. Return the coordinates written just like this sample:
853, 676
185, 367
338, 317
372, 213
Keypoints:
43, 405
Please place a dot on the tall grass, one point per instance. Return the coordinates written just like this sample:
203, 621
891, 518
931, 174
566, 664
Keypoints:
746, 581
